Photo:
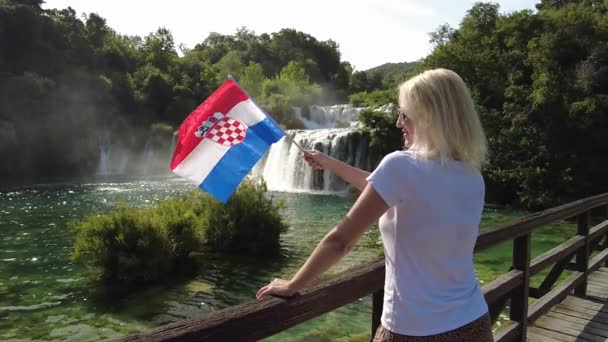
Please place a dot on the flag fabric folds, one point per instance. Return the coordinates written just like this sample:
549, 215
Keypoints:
222, 139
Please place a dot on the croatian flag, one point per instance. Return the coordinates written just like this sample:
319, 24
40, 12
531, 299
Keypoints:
222, 139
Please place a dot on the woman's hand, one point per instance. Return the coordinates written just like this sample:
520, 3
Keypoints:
277, 287
315, 159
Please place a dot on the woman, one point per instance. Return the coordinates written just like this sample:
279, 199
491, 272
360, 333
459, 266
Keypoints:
429, 199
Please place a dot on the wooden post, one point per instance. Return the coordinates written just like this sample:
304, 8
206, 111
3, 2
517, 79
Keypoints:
605, 244
377, 302
582, 255
519, 297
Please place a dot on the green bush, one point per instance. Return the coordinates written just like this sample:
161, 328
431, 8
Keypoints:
249, 223
374, 99
128, 246
384, 136
133, 246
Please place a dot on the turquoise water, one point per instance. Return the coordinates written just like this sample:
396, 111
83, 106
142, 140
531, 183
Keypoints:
44, 296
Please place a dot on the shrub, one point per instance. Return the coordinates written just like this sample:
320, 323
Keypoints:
374, 99
125, 246
249, 223
133, 246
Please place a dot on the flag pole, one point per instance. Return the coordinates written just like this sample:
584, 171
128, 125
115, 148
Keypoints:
290, 139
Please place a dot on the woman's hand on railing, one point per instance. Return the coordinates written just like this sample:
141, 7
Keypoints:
315, 159
277, 287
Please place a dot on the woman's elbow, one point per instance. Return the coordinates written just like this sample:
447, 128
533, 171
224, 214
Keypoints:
339, 243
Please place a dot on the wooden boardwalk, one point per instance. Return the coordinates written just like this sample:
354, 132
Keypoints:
577, 319
558, 314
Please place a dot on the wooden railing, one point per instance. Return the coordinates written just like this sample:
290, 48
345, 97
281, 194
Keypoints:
259, 319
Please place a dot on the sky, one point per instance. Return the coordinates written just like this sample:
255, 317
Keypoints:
368, 32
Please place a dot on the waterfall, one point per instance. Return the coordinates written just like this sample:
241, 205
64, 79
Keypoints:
147, 156
172, 145
336, 116
113, 157
283, 169
123, 162
105, 146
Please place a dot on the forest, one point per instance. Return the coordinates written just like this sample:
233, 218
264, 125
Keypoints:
539, 78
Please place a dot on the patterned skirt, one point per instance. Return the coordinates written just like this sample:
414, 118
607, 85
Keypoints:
479, 330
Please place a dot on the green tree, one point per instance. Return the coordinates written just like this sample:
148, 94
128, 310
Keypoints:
253, 79
536, 79
231, 64
159, 49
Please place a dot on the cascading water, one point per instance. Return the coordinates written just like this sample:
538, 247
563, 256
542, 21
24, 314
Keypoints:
336, 116
105, 145
147, 157
283, 168
172, 146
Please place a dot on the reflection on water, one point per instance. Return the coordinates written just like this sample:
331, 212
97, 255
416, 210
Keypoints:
44, 296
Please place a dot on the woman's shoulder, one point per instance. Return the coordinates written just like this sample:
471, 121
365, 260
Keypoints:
403, 156
396, 159
407, 159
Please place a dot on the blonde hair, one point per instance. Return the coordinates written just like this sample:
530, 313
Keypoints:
446, 124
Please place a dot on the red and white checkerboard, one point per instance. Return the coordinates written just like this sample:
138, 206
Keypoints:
227, 132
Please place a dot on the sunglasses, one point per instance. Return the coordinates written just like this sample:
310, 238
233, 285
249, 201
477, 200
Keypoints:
401, 116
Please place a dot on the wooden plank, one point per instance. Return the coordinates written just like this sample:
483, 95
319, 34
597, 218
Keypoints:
600, 272
255, 320
531, 222
600, 285
519, 297
554, 296
377, 303
597, 289
509, 331
596, 286
582, 254
603, 280
595, 292
532, 337
496, 291
556, 254
552, 334
598, 282
588, 304
580, 326
597, 295
552, 276
581, 312
605, 244
583, 315
598, 261
535, 292
598, 231
581, 309
502, 285
568, 328
584, 322
600, 279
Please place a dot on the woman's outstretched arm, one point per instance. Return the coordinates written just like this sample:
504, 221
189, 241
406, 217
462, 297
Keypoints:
337, 243
350, 174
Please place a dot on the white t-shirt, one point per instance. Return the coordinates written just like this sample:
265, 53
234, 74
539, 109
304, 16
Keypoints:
429, 233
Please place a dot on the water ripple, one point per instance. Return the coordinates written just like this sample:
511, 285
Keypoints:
30, 307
